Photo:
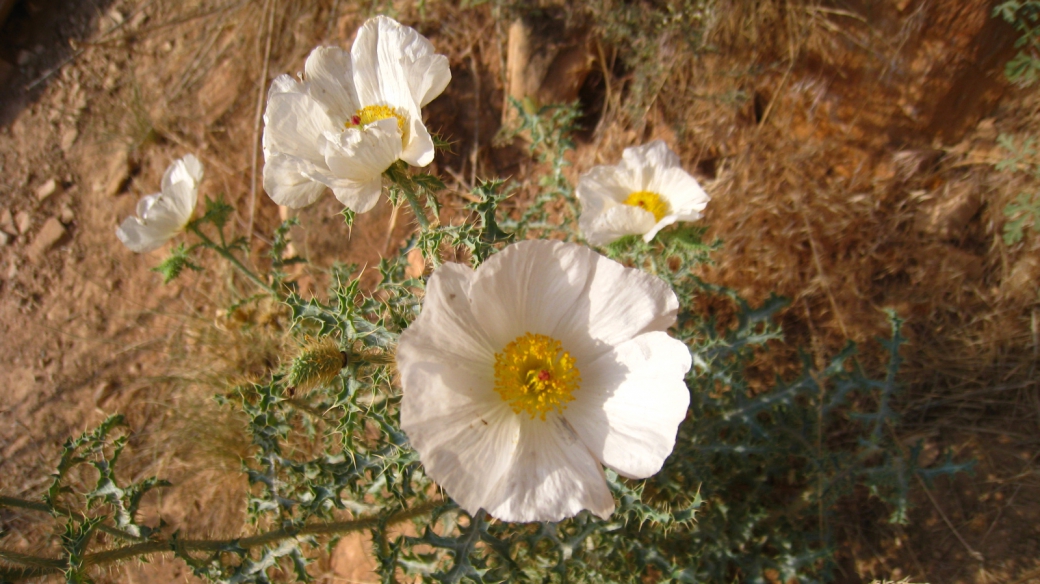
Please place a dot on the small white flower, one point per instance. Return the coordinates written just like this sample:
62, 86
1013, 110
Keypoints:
642, 195
522, 377
164, 214
351, 116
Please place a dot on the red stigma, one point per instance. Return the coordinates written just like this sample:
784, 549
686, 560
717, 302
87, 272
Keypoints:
543, 375
356, 120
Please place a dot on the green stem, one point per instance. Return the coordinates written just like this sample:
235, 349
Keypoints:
223, 251
417, 210
42, 566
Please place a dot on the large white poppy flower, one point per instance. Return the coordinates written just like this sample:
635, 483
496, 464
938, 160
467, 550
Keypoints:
646, 192
521, 378
351, 116
164, 214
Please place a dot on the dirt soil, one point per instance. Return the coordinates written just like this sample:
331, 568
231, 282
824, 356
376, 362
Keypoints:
848, 147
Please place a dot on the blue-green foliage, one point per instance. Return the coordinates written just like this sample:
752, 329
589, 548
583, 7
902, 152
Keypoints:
1024, 211
1024, 15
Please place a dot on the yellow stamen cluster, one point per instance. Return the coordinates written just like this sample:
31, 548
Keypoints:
535, 375
374, 113
649, 201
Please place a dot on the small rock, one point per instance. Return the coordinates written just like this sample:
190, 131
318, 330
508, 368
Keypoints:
66, 215
4, 239
113, 179
22, 221
7, 222
12, 271
46, 189
52, 233
103, 392
68, 139
987, 129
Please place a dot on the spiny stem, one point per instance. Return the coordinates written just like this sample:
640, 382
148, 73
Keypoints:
40, 566
417, 210
43, 508
223, 251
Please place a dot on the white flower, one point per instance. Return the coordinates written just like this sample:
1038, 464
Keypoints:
351, 116
164, 214
642, 195
521, 378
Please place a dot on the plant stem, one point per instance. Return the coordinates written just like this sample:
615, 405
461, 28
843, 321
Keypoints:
43, 508
223, 251
417, 210
39, 566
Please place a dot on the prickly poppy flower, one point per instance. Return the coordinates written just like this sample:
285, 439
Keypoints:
646, 192
351, 116
523, 378
164, 214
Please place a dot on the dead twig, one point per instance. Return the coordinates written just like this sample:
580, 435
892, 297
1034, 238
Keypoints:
269, 9
971, 551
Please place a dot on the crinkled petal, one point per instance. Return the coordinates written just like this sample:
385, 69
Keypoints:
428, 75
551, 476
631, 402
140, 238
386, 56
180, 186
330, 81
419, 150
287, 183
359, 197
683, 193
529, 287
617, 305
361, 155
448, 327
615, 222
664, 222
644, 162
294, 124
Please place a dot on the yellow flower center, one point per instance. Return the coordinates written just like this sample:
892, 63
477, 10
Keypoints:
535, 375
374, 113
649, 201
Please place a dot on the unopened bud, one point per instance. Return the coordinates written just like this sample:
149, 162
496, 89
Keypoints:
318, 364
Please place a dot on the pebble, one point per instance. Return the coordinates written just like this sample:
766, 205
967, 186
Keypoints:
66, 215
22, 221
68, 139
49, 236
7, 221
46, 189
4, 239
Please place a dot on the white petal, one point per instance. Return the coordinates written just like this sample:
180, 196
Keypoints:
419, 150
645, 161
619, 304
601, 184
465, 443
631, 402
387, 58
448, 328
664, 222
683, 193
359, 197
552, 476
529, 287
330, 81
360, 155
616, 221
180, 185
140, 238
284, 84
429, 75
286, 182
294, 124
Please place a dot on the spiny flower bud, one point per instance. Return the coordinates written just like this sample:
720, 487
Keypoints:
318, 364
